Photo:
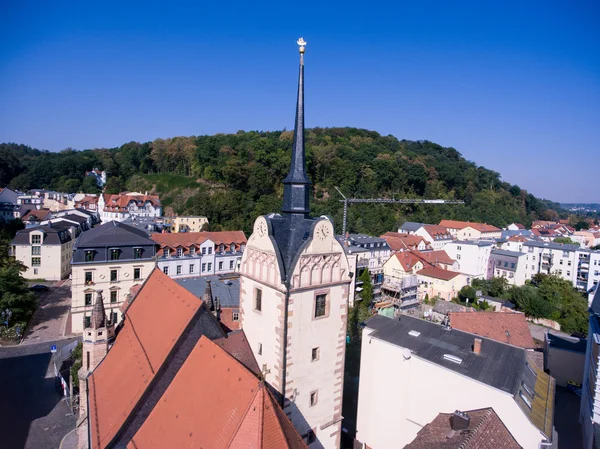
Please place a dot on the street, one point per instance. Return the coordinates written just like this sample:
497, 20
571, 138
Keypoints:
49, 321
33, 414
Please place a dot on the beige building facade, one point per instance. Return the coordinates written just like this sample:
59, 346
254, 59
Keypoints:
188, 223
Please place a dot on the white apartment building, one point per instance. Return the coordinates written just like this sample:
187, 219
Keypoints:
467, 230
440, 371
45, 250
551, 258
113, 257
128, 204
437, 235
472, 257
189, 254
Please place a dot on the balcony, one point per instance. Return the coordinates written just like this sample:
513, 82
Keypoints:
584, 266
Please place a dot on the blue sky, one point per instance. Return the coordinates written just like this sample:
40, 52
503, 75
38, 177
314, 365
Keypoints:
514, 86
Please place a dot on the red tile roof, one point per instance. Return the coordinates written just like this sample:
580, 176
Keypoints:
407, 259
437, 273
121, 201
482, 227
37, 214
140, 349
438, 231
399, 242
506, 327
214, 402
485, 431
187, 239
517, 238
227, 321
436, 257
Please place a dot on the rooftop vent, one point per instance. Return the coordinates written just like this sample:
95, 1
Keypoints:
414, 333
460, 420
453, 358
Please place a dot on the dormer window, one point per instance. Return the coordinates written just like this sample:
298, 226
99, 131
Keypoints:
137, 253
221, 248
232, 248
165, 253
89, 255
36, 239
193, 251
179, 252
114, 254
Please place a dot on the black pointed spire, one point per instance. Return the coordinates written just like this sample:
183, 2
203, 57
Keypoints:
208, 298
98, 317
296, 186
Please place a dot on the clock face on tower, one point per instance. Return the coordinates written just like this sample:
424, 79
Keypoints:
261, 228
322, 231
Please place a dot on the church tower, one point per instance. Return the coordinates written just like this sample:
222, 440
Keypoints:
294, 286
94, 348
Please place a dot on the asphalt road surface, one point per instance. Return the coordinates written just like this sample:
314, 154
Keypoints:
33, 414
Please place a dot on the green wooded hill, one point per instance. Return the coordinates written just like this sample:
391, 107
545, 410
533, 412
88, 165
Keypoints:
233, 178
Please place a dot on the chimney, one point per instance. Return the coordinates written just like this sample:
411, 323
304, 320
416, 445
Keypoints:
460, 421
477, 346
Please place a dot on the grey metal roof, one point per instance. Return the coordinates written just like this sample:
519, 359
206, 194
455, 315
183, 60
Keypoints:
411, 226
113, 233
498, 365
53, 235
502, 252
366, 239
552, 245
227, 289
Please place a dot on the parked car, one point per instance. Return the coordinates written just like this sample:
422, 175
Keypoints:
39, 288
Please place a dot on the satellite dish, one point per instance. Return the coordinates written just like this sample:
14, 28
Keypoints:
406, 353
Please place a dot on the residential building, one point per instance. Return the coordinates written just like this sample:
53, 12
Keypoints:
404, 242
33, 217
589, 414
45, 250
100, 176
439, 258
8, 204
30, 199
87, 202
188, 223
146, 391
410, 227
589, 238
564, 358
371, 254
400, 283
113, 258
516, 227
436, 282
588, 270
507, 327
439, 236
443, 370
471, 429
467, 230
472, 257
199, 253
295, 284
508, 264
128, 204
514, 243
551, 258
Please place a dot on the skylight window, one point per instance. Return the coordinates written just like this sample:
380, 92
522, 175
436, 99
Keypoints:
453, 358
414, 333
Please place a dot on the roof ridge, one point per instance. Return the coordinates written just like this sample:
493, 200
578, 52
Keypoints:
483, 420
243, 417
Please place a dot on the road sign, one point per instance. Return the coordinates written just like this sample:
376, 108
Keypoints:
53, 348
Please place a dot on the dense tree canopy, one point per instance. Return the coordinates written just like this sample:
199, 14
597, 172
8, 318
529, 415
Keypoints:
232, 178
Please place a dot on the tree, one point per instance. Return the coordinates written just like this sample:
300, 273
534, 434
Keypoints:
565, 240
582, 224
467, 294
529, 301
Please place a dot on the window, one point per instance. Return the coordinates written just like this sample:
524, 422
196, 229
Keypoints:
179, 252
113, 276
115, 317
88, 299
526, 400
36, 250
258, 299
569, 263
166, 270
527, 389
113, 296
178, 269
560, 262
315, 354
232, 248
458, 257
314, 397
231, 264
35, 271
86, 323
114, 254
220, 266
221, 248
568, 273
137, 274
458, 248
36, 239
209, 266
203, 267
36, 261
320, 305
193, 251
260, 349
235, 316
89, 255
137, 253
165, 253
311, 437
191, 268
565, 254
87, 358
203, 251
210, 250
88, 278
531, 370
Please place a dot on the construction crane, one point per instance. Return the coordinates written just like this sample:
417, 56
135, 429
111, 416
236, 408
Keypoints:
347, 201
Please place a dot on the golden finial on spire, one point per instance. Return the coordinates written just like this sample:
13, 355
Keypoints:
302, 43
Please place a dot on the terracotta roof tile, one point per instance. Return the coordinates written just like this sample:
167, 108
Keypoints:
407, 259
398, 241
482, 227
506, 327
436, 257
236, 344
437, 273
240, 414
141, 348
438, 231
485, 431
187, 239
